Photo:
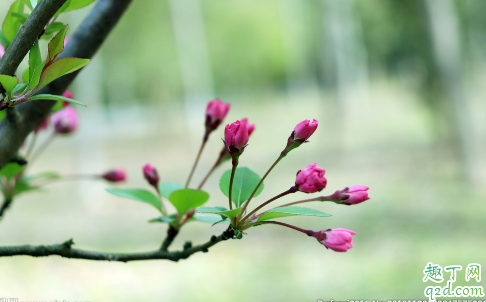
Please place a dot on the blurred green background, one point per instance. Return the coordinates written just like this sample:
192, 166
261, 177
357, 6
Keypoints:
398, 88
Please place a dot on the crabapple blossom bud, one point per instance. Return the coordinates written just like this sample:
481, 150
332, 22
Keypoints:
215, 113
236, 136
115, 175
249, 127
2, 51
151, 175
305, 129
355, 195
311, 179
65, 120
67, 94
339, 240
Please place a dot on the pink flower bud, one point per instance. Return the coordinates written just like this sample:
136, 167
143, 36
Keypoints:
65, 120
249, 127
305, 129
311, 179
339, 240
43, 125
215, 113
67, 94
236, 135
355, 195
151, 175
115, 175
2, 51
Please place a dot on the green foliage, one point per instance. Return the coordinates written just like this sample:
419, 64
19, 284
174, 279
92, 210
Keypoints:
19, 88
11, 24
75, 4
167, 187
59, 68
53, 27
3, 40
54, 98
139, 195
185, 199
163, 219
56, 45
42, 175
244, 182
291, 211
35, 66
208, 219
10, 170
22, 186
231, 214
8, 83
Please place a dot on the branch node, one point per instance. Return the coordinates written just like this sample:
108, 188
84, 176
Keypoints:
187, 245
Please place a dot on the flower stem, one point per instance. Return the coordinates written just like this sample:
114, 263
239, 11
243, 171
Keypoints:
261, 181
307, 232
216, 164
322, 198
41, 149
292, 189
31, 145
205, 139
233, 170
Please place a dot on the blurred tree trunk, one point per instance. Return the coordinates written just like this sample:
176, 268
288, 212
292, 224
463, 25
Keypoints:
444, 32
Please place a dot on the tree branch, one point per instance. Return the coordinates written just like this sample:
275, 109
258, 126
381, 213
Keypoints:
83, 44
27, 35
65, 250
171, 235
5, 205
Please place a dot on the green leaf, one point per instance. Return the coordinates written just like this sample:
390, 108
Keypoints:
59, 68
58, 106
184, 199
223, 220
231, 214
75, 4
11, 169
208, 219
19, 88
139, 195
56, 45
54, 27
8, 82
162, 219
43, 175
11, 24
3, 40
2, 114
291, 211
167, 187
22, 17
22, 186
54, 98
244, 183
35, 65
27, 2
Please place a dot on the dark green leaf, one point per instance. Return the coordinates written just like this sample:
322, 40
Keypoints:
244, 182
11, 169
77, 4
19, 88
185, 199
139, 195
291, 211
56, 45
162, 219
208, 219
54, 27
59, 68
11, 24
35, 65
167, 187
63, 7
8, 82
54, 98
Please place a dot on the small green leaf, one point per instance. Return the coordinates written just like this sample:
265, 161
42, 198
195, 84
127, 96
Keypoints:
184, 199
231, 214
22, 186
162, 219
53, 27
56, 45
58, 106
54, 98
223, 220
59, 68
244, 183
11, 169
22, 17
35, 65
291, 211
11, 24
43, 175
75, 4
208, 219
8, 82
19, 88
139, 195
167, 187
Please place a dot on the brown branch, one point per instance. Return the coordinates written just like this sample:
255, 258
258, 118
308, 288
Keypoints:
83, 44
5, 205
65, 250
